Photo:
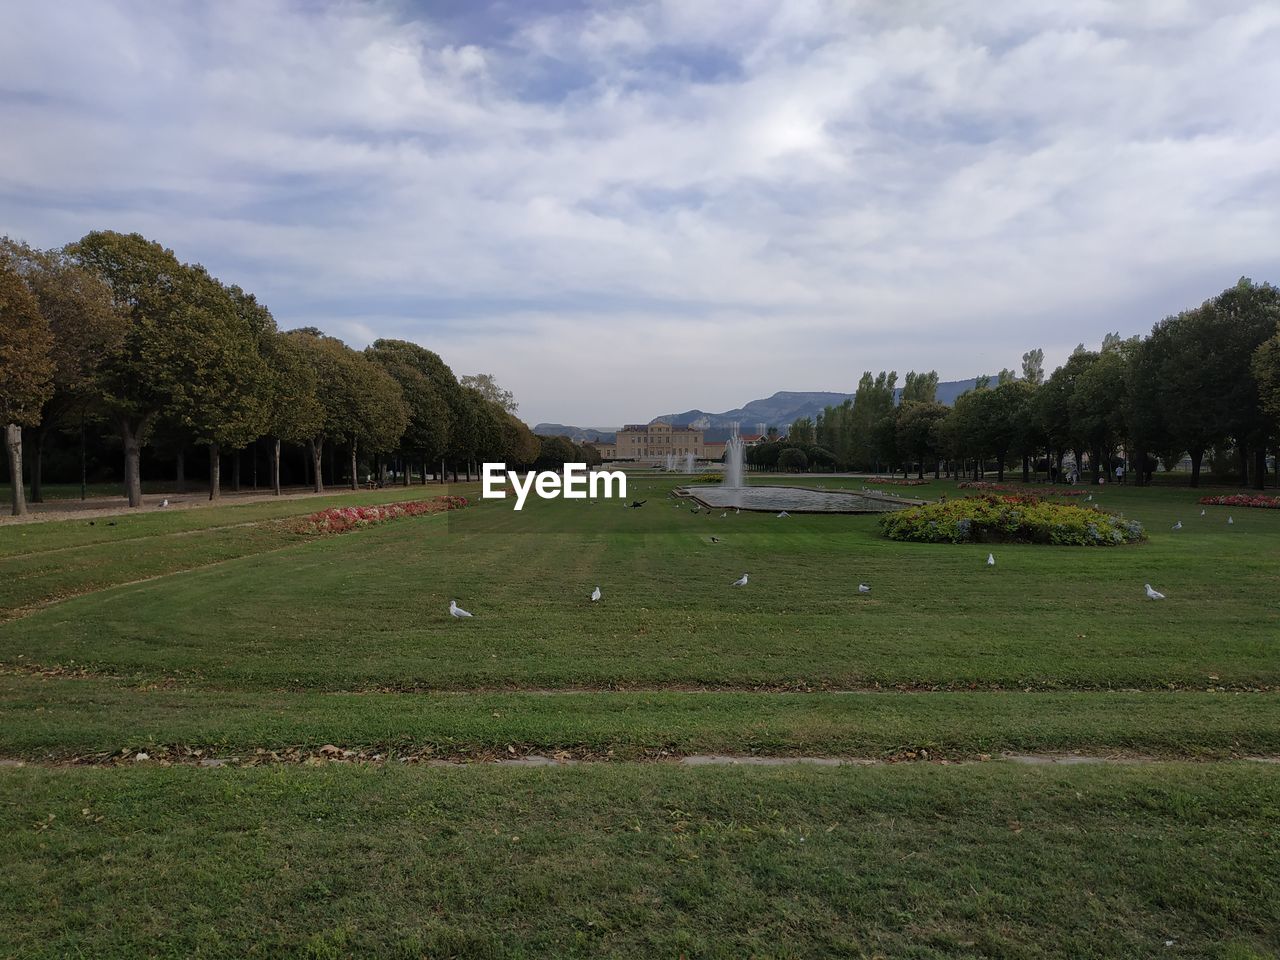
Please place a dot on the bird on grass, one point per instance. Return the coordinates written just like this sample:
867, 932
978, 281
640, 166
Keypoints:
741, 581
715, 539
595, 594
92, 523
1202, 513
723, 515
1153, 593
991, 559
783, 515
637, 504
1089, 498
694, 510
1230, 521
1178, 525
457, 611
165, 502
863, 588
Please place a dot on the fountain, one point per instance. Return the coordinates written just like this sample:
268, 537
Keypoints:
733, 459
733, 492
688, 462
671, 463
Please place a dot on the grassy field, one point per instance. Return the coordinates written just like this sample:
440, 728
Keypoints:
223, 632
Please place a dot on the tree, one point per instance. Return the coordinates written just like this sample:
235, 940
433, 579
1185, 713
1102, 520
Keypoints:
162, 363
802, 431
26, 369
487, 387
1266, 370
793, 460
920, 387
422, 376
1099, 402
293, 411
85, 329
1033, 367
916, 436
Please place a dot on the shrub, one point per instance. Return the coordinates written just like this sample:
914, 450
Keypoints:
793, 460
1243, 500
1006, 519
707, 478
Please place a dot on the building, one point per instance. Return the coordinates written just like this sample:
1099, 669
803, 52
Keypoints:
607, 451
654, 442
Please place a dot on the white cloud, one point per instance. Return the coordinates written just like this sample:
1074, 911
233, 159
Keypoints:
678, 203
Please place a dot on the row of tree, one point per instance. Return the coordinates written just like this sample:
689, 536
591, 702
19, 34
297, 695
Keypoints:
1204, 382
115, 329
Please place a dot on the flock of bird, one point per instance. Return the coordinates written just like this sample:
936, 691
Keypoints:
1154, 594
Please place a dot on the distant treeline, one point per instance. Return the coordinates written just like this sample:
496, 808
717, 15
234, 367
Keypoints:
114, 331
1204, 382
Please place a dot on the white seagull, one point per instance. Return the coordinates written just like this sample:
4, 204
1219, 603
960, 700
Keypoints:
723, 515
741, 581
991, 559
1178, 525
1202, 512
595, 594
456, 611
863, 588
1089, 498
164, 503
1230, 520
1153, 593
783, 514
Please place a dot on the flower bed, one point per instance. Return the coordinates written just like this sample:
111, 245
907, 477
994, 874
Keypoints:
1044, 490
342, 519
1243, 500
707, 478
898, 481
1018, 519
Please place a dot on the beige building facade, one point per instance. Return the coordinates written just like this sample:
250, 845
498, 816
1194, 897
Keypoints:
654, 442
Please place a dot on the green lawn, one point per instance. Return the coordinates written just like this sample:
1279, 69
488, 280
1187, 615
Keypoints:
225, 631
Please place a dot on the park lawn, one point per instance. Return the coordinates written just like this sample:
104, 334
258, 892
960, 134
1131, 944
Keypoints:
49, 561
56, 718
368, 609
642, 860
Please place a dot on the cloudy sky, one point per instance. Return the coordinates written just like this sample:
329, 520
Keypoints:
624, 209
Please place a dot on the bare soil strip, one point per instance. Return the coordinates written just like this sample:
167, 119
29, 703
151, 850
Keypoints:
516, 757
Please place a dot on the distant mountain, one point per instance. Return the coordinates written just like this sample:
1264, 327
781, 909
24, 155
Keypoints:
780, 410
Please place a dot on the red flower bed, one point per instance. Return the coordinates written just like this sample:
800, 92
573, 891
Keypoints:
1243, 500
897, 481
342, 519
1044, 490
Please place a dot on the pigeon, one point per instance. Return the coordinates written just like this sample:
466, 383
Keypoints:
1154, 594
783, 515
715, 539
741, 581
991, 559
456, 611
1230, 521
637, 504
595, 594
111, 523
92, 523
694, 510
1178, 525
863, 588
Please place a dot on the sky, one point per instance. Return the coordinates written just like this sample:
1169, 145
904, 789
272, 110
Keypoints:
628, 209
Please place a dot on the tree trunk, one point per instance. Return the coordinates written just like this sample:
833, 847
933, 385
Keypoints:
333, 469
18, 491
215, 472
407, 465
355, 480
180, 471
131, 439
1244, 465
1260, 467
1197, 457
1000, 470
1026, 469
317, 452
442, 471
275, 466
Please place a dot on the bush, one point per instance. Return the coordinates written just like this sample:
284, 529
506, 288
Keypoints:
793, 460
343, 519
1003, 519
